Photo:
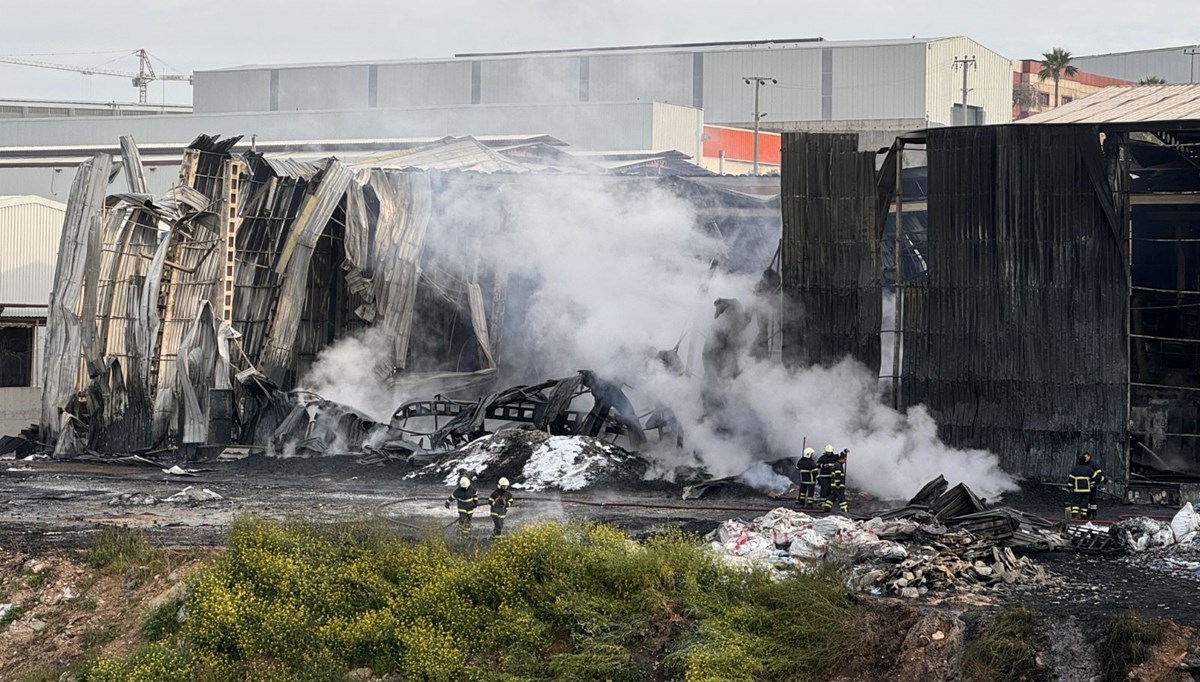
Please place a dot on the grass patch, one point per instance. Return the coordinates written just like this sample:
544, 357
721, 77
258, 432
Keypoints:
119, 549
1127, 643
163, 621
1005, 650
98, 636
12, 614
88, 603
552, 602
47, 673
36, 580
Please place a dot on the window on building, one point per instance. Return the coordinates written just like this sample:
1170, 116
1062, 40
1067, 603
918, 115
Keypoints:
1066, 99
16, 356
1044, 99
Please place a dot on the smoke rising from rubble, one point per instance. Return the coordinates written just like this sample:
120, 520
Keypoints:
615, 276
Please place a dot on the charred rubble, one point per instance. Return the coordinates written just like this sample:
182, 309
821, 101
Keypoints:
181, 324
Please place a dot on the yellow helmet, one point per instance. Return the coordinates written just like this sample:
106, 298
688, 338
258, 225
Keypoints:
503, 482
808, 452
464, 482
828, 448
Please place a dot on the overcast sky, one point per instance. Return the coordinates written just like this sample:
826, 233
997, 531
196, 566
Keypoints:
188, 36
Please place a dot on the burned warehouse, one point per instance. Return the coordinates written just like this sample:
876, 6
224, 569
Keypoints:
187, 321
1050, 283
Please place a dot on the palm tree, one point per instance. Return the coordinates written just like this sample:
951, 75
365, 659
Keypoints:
1055, 64
1152, 80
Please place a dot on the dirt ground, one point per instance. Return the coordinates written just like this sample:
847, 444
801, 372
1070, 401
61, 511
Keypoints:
50, 511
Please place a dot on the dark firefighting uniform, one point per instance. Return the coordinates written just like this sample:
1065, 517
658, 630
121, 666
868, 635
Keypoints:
824, 470
837, 488
1080, 480
1097, 478
500, 500
807, 495
465, 500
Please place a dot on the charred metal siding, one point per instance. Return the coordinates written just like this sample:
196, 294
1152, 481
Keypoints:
1017, 342
831, 272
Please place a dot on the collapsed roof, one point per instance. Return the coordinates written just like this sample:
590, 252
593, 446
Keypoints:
182, 319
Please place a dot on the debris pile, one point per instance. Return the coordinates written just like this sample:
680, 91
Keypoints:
1169, 547
883, 556
536, 460
944, 539
189, 495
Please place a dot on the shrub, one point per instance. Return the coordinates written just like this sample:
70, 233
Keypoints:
119, 549
1128, 642
163, 621
1005, 650
552, 602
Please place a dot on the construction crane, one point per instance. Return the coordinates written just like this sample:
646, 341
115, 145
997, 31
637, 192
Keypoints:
145, 74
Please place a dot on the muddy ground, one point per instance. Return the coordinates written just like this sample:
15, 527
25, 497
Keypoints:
49, 510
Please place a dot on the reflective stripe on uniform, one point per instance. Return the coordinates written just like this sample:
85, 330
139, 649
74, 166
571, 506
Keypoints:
1081, 484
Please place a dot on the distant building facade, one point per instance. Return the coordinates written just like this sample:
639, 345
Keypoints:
53, 108
30, 227
1032, 95
1175, 65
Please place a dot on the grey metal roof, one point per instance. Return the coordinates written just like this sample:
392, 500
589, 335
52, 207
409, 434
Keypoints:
1128, 104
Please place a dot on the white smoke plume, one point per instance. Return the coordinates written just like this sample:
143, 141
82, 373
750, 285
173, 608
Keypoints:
618, 275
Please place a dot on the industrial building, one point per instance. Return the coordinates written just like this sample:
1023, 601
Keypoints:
29, 227
875, 85
1048, 301
56, 108
1172, 64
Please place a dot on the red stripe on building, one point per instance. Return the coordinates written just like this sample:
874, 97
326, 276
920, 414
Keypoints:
738, 144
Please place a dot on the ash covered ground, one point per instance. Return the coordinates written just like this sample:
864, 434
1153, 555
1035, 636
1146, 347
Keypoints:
49, 505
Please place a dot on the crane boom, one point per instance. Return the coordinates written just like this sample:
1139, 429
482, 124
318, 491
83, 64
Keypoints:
142, 78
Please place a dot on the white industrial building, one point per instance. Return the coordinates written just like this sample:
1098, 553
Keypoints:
29, 229
907, 83
650, 98
1175, 65
58, 108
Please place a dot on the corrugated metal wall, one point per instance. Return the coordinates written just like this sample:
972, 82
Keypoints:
677, 128
727, 98
1017, 343
30, 232
1170, 64
321, 87
830, 250
878, 82
216, 92
529, 80
423, 85
659, 77
989, 82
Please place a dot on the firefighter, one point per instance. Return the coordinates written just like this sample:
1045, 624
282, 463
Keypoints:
806, 496
1081, 486
1097, 479
824, 470
837, 486
465, 500
500, 500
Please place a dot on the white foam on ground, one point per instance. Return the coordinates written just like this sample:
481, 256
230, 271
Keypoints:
561, 462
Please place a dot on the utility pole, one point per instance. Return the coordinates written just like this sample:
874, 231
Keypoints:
758, 83
1192, 52
965, 63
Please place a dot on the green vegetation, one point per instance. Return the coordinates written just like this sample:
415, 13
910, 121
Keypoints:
163, 621
99, 636
12, 614
119, 549
553, 602
36, 580
1005, 651
1128, 642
